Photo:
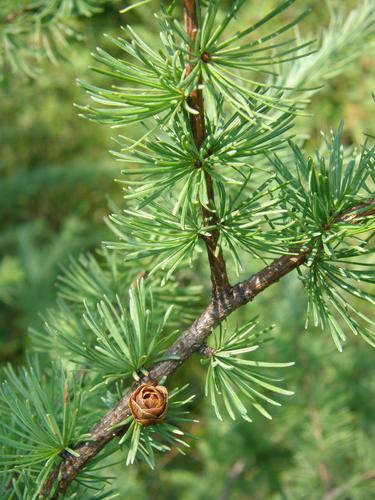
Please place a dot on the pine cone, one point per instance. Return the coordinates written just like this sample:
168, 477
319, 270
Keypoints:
149, 404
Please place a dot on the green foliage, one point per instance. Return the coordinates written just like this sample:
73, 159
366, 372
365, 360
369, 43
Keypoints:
315, 193
107, 275
40, 419
160, 85
174, 160
172, 232
126, 340
162, 88
319, 191
232, 377
19, 486
249, 220
10, 274
346, 38
157, 232
235, 53
39, 29
115, 332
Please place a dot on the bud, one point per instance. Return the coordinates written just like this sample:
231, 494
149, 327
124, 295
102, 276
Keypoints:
148, 404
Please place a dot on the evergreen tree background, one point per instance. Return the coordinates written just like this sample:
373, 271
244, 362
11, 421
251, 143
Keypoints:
56, 185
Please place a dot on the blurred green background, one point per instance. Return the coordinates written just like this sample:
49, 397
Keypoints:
56, 178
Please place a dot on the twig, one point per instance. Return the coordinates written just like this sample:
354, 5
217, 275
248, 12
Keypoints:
219, 276
189, 342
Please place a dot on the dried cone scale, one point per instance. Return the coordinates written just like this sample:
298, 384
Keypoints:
148, 404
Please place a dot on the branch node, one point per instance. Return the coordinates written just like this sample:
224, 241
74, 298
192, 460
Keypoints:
206, 351
206, 57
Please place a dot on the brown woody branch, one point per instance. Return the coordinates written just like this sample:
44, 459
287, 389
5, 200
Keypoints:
190, 341
219, 276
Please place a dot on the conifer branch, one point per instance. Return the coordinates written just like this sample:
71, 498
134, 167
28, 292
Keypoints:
41, 30
347, 487
189, 342
219, 276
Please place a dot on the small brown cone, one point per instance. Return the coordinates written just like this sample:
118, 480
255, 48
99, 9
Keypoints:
148, 404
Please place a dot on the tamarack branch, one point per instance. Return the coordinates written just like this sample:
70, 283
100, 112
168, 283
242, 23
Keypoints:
190, 341
225, 298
